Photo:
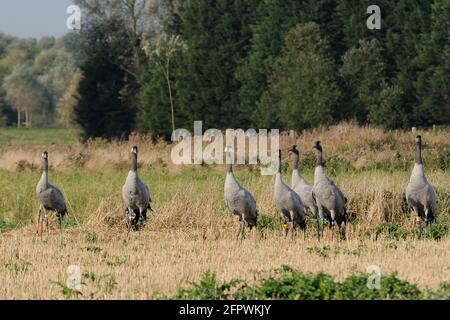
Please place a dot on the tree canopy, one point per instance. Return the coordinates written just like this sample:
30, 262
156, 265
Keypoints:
155, 65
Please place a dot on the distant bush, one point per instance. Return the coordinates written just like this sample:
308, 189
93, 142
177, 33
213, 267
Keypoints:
288, 284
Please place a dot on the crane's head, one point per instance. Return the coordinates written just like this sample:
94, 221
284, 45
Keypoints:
318, 146
419, 139
294, 149
134, 150
45, 155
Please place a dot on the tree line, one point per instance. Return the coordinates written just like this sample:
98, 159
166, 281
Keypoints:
155, 65
38, 79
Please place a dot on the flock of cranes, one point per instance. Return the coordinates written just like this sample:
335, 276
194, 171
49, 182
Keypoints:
135, 196
323, 198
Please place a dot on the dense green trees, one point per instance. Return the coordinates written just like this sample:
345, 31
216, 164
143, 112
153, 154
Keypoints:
433, 80
152, 65
371, 98
284, 77
217, 35
302, 91
105, 107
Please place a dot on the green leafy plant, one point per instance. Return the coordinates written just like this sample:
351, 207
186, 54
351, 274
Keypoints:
391, 230
288, 284
67, 292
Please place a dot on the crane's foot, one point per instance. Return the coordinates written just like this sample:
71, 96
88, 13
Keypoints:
286, 229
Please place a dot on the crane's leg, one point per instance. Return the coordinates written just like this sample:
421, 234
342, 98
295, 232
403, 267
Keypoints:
292, 228
418, 222
304, 230
243, 223
427, 221
140, 221
322, 220
144, 217
60, 220
46, 222
292, 225
38, 227
318, 228
130, 219
241, 229
285, 225
317, 217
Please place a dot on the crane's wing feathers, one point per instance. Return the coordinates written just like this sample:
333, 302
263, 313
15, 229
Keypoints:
53, 199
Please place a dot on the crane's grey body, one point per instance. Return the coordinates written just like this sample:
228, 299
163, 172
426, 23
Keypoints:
288, 202
420, 195
329, 198
50, 197
135, 194
239, 200
303, 188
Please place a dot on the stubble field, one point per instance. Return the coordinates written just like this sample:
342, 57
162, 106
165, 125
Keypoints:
191, 232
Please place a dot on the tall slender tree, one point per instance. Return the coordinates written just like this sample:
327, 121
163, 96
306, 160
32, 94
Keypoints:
104, 108
302, 91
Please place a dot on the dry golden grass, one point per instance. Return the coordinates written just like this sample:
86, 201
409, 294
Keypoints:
191, 231
360, 147
149, 262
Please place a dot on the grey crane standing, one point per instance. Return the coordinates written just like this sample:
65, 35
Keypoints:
420, 195
50, 199
136, 195
238, 200
303, 188
329, 198
288, 203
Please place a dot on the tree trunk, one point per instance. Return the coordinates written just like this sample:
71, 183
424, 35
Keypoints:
18, 118
172, 111
27, 124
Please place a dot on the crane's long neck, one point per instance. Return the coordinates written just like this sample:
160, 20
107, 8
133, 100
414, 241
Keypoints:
279, 163
229, 162
295, 161
44, 177
419, 153
319, 158
134, 162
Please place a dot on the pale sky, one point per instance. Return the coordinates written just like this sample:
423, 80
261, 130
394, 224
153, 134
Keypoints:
34, 18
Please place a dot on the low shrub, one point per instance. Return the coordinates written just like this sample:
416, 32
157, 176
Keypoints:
289, 284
